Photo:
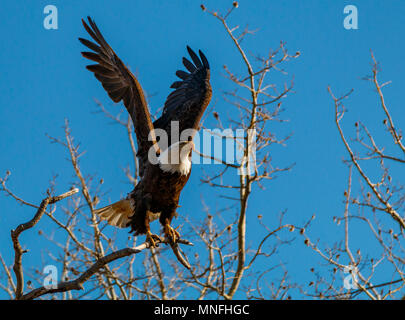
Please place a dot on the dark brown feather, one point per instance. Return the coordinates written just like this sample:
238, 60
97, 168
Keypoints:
188, 102
124, 85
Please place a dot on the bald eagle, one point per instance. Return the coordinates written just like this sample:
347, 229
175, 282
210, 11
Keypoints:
156, 196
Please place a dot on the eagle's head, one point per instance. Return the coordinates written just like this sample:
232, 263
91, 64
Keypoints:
177, 158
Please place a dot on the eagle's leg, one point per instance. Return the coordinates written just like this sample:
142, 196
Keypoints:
150, 237
171, 234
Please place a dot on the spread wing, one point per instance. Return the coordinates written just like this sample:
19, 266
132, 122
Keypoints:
192, 94
119, 83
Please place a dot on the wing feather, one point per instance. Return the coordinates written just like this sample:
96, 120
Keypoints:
195, 58
204, 59
176, 84
191, 96
189, 66
182, 74
120, 84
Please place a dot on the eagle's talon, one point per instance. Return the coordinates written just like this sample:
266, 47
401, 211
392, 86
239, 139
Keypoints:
150, 237
171, 234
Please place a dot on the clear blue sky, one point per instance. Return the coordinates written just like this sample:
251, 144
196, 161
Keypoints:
44, 81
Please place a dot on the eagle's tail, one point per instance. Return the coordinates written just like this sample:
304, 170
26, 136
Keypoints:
117, 214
